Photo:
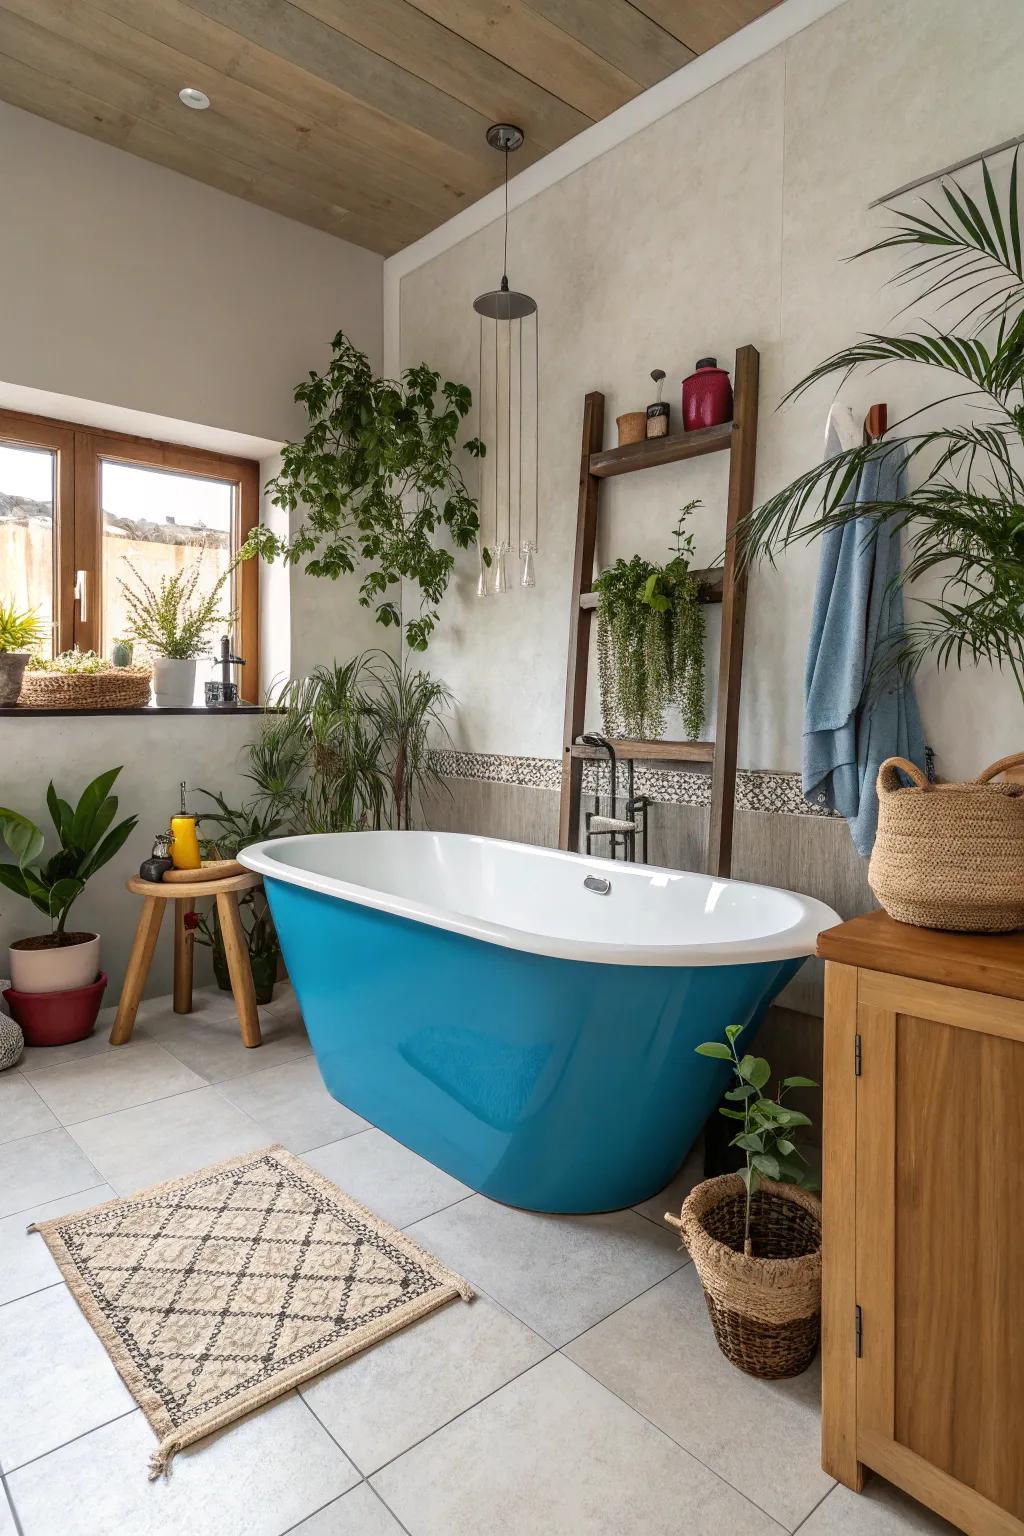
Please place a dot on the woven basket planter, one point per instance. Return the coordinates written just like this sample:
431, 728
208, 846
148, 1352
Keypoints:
765, 1308
120, 688
950, 856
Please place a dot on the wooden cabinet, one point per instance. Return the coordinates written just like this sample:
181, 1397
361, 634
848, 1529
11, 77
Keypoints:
923, 1242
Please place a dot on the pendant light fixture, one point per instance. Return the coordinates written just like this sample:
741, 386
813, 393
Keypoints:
508, 401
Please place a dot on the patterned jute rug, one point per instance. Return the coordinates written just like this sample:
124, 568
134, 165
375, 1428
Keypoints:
215, 1293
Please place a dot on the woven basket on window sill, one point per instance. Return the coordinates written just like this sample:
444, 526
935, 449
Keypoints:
765, 1308
950, 856
120, 688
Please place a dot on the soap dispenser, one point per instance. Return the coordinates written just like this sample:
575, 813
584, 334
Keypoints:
184, 838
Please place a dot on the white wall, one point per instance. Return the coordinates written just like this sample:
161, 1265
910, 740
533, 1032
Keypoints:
726, 222
138, 299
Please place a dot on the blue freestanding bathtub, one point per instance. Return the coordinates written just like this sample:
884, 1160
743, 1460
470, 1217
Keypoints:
524, 1018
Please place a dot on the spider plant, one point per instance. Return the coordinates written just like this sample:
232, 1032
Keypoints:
964, 518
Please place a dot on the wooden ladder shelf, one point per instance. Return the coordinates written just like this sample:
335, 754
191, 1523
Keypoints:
726, 586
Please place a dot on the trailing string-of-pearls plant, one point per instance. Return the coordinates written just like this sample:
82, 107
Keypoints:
650, 642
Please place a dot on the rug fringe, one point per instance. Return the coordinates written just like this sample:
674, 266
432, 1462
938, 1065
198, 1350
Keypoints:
160, 1461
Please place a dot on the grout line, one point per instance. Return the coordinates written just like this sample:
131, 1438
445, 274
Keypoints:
623, 1305
381, 1500
68, 1194
19, 1528
11, 1300
9, 1471
817, 1506
320, 1507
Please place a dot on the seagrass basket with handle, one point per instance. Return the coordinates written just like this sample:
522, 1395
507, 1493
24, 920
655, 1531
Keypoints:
950, 856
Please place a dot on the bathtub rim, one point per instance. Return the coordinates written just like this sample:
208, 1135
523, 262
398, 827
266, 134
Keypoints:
796, 942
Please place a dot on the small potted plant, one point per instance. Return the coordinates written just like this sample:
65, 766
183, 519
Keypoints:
83, 680
174, 621
755, 1236
20, 632
56, 983
236, 829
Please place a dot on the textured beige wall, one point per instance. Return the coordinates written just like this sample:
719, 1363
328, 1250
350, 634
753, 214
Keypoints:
724, 223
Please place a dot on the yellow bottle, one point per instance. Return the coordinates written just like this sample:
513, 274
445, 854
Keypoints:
184, 839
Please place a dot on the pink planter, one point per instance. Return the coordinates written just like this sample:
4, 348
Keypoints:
707, 396
57, 1018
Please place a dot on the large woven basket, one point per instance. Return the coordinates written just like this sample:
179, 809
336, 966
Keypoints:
950, 856
120, 688
765, 1308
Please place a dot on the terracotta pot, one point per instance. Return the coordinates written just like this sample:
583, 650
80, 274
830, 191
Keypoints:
12, 670
632, 427
55, 968
57, 1018
174, 683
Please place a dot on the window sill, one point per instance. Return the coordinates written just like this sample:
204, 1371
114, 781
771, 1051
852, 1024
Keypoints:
13, 711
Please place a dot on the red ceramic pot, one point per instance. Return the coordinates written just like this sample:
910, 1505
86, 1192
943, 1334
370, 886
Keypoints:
707, 396
57, 1018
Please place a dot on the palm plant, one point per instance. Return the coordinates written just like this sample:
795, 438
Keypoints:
409, 707
964, 518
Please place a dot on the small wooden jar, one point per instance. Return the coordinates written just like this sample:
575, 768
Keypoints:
632, 427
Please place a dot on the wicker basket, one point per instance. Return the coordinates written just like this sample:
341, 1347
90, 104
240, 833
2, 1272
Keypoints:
950, 856
119, 688
765, 1308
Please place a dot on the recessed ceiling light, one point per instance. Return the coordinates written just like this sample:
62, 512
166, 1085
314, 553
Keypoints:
189, 96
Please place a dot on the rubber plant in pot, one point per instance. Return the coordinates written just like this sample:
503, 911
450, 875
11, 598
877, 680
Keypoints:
755, 1236
174, 622
235, 830
19, 634
56, 981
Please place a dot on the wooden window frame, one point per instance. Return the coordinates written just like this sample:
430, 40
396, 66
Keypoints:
80, 451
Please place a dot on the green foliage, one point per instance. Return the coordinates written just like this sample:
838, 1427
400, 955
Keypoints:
964, 519
349, 746
232, 830
766, 1137
19, 630
650, 642
73, 661
175, 619
87, 841
377, 477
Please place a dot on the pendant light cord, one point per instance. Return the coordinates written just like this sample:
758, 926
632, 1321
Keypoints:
504, 258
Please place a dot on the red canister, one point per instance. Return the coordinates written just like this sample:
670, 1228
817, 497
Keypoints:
707, 396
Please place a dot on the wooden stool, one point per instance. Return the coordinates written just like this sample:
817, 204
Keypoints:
184, 894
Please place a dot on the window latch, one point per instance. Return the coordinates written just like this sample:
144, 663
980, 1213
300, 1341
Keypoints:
82, 594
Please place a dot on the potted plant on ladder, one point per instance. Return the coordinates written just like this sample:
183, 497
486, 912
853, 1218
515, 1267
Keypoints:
755, 1236
56, 981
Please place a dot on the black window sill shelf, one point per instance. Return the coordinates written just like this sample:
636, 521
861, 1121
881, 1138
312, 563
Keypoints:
147, 712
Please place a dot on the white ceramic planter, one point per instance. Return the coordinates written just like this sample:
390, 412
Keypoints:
55, 970
12, 670
174, 683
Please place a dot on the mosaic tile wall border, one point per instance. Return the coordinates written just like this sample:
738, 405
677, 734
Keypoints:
756, 790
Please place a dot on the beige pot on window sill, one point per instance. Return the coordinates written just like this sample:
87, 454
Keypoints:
174, 683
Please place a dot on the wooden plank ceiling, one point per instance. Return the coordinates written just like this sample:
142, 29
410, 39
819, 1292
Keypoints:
364, 118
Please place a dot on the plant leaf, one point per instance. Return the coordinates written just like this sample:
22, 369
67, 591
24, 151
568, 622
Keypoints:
715, 1049
799, 1082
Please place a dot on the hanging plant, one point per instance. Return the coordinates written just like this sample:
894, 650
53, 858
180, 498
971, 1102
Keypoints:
650, 642
376, 472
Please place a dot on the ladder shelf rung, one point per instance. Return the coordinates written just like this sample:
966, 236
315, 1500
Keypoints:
712, 578
650, 751
661, 450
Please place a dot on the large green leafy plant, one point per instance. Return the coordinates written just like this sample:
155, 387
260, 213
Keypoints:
964, 517
87, 841
650, 641
766, 1138
377, 476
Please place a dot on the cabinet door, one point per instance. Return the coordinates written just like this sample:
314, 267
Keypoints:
940, 1247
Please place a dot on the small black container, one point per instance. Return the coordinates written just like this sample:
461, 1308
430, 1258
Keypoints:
159, 862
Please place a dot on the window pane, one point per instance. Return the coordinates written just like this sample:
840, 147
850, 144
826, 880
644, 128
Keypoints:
161, 521
27, 546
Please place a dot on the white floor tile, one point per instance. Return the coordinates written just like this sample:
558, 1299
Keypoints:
58, 1379
43, 1167
660, 1355
359, 1513
555, 1452
38, 1058
208, 1038
25, 1262
22, 1111
395, 1183
7, 1526
558, 1274
880, 1510
136, 1073
292, 1105
258, 1477
380, 1403
134, 1148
